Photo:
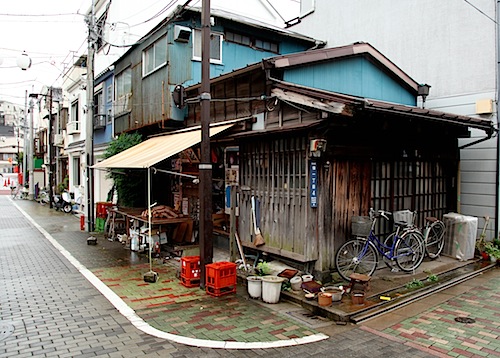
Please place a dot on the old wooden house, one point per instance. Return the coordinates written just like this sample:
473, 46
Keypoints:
326, 134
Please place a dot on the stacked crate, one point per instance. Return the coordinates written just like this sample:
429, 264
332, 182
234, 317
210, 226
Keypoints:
220, 278
190, 271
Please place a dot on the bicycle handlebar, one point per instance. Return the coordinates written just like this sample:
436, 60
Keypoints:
379, 213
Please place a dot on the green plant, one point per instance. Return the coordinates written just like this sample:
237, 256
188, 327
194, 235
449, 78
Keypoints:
263, 269
492, 250
432, 278
129, 183
414, 284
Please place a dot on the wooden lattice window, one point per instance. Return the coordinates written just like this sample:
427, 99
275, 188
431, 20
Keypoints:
415, 185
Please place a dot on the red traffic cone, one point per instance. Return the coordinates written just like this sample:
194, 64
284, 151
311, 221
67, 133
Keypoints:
5, 183
8, 181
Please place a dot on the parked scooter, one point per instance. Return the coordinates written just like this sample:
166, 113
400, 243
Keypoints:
62, 202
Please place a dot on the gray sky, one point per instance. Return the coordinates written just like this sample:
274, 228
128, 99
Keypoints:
53, 33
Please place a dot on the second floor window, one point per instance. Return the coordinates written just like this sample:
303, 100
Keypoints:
123, 85
154, 56
74, 112
215, 47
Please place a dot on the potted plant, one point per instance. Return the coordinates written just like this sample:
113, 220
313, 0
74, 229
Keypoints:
254, 283
492, 250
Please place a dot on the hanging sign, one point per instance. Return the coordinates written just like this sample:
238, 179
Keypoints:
313, 184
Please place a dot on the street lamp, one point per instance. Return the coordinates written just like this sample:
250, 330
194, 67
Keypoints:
23, 61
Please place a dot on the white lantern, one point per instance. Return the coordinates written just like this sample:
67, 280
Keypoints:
24, 61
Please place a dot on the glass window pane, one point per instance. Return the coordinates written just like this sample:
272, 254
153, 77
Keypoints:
160, 52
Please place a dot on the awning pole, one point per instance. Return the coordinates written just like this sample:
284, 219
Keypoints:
150, 246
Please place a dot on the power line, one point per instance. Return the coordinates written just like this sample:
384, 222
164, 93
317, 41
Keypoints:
482, 12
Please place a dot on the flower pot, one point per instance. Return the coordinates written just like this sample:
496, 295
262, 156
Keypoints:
271, 288
358, 297
254, 286
296, 283
324, 299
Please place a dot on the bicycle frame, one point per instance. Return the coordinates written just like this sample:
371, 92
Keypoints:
379, 246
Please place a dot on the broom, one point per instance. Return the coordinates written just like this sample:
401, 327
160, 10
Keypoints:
259, 240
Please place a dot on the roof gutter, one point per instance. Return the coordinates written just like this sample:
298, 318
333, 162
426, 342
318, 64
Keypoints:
489, 136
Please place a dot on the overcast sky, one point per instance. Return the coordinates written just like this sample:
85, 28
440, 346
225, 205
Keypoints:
53, 33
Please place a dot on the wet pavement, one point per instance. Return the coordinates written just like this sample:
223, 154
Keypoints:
61, 297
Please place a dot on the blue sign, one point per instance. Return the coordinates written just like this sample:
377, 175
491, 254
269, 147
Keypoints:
313, 184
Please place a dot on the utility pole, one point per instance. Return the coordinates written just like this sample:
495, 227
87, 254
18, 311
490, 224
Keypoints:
205, 186
89, 132
32, 149
24, 138
50, 150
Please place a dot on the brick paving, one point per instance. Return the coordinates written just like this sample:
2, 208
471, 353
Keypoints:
56, 312
438, 330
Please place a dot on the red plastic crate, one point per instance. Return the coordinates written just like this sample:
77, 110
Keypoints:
217, 292
102, 209
190, 267
220, 275
190, 282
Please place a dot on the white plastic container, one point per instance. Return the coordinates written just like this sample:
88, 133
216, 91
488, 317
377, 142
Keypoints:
460, 236
134, 243
254, 286
271, 288
307, 278
296, 282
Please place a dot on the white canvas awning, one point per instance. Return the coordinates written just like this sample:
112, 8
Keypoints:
156, 149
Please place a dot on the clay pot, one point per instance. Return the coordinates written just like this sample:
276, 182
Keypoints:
324, 299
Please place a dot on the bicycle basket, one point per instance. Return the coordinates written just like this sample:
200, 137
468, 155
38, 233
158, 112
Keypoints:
361, 225
403, 216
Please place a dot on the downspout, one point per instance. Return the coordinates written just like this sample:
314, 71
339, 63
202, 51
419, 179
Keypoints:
497, 189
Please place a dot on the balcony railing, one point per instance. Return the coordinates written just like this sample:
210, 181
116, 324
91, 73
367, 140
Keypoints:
73, 127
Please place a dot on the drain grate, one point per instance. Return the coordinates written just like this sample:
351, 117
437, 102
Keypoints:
465, 320
309, 319
6, 329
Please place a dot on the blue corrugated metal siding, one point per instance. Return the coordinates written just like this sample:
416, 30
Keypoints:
353, 76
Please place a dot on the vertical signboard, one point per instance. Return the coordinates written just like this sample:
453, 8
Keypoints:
313, 184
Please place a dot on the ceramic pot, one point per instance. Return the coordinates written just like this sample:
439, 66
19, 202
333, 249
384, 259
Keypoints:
335, 292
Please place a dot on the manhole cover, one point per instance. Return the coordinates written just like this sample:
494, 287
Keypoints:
307, 318
465, 320
6, 329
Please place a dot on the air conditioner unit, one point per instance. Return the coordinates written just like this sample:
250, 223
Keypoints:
58, 140
181, 33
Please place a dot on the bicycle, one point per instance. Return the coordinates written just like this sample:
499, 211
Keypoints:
361, 255
433, 231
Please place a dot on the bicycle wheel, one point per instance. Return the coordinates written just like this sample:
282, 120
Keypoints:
434, 239
409, 250
356, 256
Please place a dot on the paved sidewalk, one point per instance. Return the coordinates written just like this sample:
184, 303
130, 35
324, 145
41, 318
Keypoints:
56, 312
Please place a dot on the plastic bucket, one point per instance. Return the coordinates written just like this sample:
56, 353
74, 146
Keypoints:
254, 286
271, 288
